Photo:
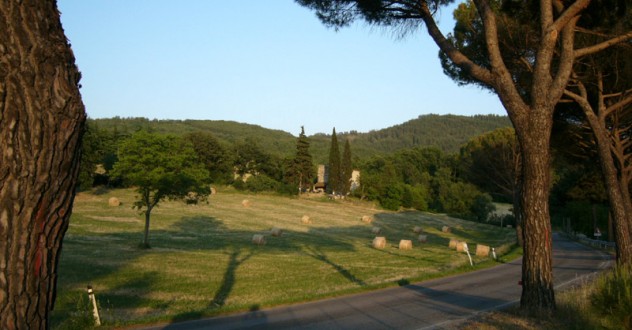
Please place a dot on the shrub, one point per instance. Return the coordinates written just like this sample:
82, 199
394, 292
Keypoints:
239, 184
407, 197
287, 189
415, 197
482, 207
392, 197
80, 317
613, 295
261, 182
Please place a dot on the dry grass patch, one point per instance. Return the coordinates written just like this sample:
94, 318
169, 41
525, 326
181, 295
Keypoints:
115, 219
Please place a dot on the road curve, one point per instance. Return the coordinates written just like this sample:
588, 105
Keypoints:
426, 305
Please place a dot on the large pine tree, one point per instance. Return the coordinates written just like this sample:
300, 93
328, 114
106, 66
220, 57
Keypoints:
334, 184
41, 125
346, 169
303, 165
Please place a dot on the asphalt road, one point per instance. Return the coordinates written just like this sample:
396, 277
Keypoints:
431, 304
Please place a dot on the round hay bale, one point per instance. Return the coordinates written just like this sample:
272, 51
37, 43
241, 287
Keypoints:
245, 203
276, 232
453, 243
258, 239
445, 229
422, 238
367, 218
417, 230
405, 244
482, 250
306, 220
460, 247
376, 230
113, 201
379, 242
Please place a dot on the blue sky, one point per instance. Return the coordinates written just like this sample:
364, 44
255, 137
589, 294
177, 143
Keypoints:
269, 63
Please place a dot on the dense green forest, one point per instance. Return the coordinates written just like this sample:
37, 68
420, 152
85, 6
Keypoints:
445, 132
275, 142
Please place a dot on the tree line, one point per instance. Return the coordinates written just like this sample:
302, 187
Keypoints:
446, 132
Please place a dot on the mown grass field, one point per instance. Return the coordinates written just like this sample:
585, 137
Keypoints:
203, 263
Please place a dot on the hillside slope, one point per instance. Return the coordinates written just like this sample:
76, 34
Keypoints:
445, 132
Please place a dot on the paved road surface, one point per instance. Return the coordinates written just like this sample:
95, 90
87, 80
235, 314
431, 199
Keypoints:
426, 305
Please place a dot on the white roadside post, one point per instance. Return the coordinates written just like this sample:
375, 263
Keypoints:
494, 254
95, 309
468, 253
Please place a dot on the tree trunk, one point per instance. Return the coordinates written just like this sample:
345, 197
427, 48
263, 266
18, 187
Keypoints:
615, 194
537, 271
41, 125
146, 232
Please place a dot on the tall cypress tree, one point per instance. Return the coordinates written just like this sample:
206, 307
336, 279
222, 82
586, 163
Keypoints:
303, 166
333, 186
346, 169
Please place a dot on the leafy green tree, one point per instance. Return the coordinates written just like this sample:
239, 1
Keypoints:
409, 170
160, 167
457, 197
492, 162
90, 157
346, 169
392, 196
260, 183
420, 195
334, 184
482, 207
529, 90
251, 159
99, 148
215, 157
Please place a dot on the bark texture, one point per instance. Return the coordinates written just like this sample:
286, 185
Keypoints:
537, 261
41, 124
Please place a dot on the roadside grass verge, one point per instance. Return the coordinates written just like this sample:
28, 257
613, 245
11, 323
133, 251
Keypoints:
203, 263
604, 302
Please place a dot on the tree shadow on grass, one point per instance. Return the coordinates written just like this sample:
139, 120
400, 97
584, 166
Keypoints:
204, 233
93, 258
228, 280
318, 254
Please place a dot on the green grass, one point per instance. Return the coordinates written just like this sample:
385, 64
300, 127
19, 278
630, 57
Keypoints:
202, 261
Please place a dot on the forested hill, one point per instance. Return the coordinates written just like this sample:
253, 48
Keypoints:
446, 132
276, 142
